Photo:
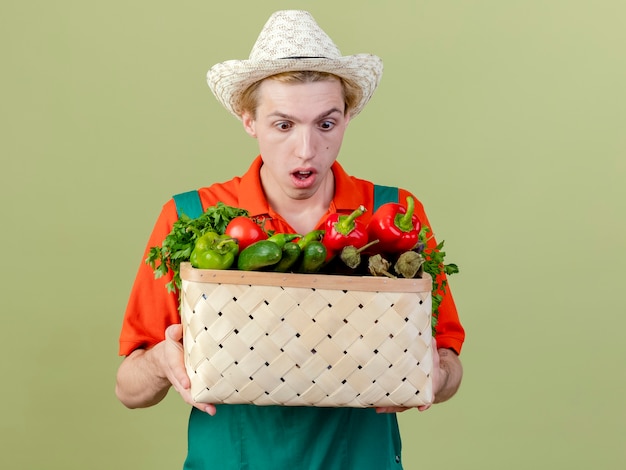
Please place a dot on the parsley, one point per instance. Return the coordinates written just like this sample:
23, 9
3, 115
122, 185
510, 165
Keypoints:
179, 243
435, 266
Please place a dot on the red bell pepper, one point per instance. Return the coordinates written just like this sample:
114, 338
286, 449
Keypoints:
396, 227
344, 230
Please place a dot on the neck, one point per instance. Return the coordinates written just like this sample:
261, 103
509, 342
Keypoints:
303, 214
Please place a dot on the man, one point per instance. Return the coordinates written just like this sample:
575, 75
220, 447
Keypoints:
296, 95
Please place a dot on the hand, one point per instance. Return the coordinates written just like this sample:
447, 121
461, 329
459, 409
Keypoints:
174, 367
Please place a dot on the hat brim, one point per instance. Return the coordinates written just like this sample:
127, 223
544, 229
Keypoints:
229, 79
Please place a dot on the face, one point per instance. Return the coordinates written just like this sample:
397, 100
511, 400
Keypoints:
299, 128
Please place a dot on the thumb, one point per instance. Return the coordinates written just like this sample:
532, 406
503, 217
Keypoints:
174, 332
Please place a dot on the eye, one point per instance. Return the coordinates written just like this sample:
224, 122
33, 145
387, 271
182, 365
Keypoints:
327, 125
283, 125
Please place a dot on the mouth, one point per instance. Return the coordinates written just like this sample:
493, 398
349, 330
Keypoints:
302, 175
303, 179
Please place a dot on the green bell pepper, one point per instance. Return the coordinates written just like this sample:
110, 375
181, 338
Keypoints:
214, 251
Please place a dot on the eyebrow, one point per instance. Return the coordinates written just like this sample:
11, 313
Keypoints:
317, 118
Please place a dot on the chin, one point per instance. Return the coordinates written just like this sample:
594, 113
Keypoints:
302, 194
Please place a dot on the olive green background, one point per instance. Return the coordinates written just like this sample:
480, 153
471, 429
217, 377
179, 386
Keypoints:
505, 117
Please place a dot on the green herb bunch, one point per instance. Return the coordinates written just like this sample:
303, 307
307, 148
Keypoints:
180, 242
435, 266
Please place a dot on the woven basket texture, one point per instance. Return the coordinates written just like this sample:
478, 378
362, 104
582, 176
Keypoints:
293, 345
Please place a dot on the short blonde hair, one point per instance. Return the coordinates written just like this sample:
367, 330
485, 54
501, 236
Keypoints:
250, 97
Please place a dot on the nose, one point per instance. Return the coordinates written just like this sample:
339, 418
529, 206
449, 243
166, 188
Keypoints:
305, 148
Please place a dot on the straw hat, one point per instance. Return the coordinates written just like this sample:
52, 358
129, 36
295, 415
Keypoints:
291, 40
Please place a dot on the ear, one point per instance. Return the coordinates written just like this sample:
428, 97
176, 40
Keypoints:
249, 124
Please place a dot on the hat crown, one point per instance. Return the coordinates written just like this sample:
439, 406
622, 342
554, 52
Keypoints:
292, 41
293, 34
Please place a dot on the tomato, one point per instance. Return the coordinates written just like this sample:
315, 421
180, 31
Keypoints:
246, 231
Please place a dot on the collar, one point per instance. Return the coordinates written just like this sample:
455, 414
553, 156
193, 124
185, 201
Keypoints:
253, 197
347, 193
346, 196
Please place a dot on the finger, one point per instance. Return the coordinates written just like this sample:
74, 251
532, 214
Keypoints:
177, 369
204, 407
174, 332
180, 380
174, 357
435, 353
179, 375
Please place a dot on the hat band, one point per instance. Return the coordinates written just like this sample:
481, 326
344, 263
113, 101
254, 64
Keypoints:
304, 57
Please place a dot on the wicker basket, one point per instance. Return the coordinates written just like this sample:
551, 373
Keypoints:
306, 339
